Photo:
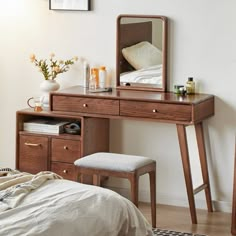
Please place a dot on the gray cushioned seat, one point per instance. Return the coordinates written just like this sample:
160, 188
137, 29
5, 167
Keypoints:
113, 161
107, 164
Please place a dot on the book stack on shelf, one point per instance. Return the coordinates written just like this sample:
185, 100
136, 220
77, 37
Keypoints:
45, 126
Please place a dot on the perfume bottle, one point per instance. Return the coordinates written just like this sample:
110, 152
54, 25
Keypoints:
95, 73
190, 86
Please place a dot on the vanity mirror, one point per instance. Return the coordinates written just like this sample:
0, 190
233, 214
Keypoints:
141, 52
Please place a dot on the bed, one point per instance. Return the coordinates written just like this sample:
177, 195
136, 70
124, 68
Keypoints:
140, 60
45, 204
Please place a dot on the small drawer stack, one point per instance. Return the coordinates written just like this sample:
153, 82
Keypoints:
63, 154
39, 153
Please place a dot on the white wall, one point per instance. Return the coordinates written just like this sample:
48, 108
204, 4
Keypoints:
202, 44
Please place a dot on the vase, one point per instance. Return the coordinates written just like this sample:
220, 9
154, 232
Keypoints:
46, 87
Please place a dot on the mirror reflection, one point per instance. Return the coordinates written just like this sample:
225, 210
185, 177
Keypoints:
141, 52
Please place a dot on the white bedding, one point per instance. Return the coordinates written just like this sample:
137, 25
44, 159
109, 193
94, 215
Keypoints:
150, 75
66, 208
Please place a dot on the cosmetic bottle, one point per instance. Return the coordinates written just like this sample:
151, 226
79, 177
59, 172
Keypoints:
190, 86
179, 89
102, 77
94, 72
86, 74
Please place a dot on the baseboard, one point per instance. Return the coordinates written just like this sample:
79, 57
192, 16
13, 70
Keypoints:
170, 200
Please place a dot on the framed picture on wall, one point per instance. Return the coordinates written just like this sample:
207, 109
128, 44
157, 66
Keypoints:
69, 5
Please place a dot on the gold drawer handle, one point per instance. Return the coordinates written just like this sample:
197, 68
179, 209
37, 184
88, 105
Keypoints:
65, 171
33, 144
154, 110
66, 148
85, 105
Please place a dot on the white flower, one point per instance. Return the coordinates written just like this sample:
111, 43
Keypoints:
32, 57
56, 69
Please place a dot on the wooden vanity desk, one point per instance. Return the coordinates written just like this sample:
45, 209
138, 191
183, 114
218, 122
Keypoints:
145, 105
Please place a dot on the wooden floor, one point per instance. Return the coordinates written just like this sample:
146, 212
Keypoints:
178, 218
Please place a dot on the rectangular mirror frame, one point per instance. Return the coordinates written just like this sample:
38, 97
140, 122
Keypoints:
144, 87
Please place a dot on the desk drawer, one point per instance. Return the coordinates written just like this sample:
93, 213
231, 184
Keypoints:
33, 153
67, 171
65, 150
85, 105
161, 111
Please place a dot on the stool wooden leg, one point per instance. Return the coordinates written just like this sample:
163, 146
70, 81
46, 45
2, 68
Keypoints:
134, 189
96, 180
81, 178
152, 176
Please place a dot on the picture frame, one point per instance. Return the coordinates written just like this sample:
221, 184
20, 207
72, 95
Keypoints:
69, 5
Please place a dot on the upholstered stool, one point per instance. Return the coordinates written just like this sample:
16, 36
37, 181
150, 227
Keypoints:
122, 166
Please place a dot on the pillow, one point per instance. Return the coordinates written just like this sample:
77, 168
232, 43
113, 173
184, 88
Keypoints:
142, 55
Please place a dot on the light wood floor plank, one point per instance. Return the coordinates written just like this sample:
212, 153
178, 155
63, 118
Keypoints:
178, 218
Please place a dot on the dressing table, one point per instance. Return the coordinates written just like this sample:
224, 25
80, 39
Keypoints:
165, 107
146, 101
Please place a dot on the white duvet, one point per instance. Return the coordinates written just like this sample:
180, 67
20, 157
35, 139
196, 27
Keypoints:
65, 208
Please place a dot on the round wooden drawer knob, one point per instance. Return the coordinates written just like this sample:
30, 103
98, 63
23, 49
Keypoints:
66, 148
65, 171
85, 105
154, 111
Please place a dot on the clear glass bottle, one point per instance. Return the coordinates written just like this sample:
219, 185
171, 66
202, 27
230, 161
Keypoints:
92, 82
86, 74
190, 86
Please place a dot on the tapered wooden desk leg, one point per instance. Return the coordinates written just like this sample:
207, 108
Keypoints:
203, 161
187, 170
